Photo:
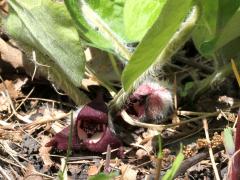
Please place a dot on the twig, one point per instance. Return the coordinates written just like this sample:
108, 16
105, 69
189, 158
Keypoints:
11, 153
44, 121
159, 167
193, 63
34, 173
4, 174
48, 100
175, 118
9, 162
191, 113
107, 168
182, 138
236, 120
20, 117
3, 123
56, 90
21, 103
135, 122
112, 150
36, 64
205, 126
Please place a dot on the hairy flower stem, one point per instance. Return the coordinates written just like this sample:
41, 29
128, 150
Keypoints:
177, 41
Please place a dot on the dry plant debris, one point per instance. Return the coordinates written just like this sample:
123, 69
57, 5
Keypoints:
30, 120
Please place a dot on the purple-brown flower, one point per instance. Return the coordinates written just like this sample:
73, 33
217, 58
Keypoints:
151, 101
91, 131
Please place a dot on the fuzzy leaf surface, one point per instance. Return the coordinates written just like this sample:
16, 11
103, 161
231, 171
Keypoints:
156, 39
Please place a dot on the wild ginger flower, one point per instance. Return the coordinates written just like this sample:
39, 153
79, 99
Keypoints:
90, 132
151, 101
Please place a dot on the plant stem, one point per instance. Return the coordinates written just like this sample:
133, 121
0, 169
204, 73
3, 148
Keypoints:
177, 41
205, 126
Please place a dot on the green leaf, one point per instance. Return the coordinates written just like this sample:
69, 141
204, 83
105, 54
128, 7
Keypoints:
218, 25
231, 50
47, 28
230, 31
103, 176
227, 8
206, 27
93, 28
139, 16
228, 141
154, 45
51, 32
112, 14
160, 152
227, 34
176, 164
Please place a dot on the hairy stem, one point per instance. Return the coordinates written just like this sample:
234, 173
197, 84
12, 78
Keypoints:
177, 41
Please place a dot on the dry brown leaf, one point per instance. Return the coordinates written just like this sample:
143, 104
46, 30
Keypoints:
100, 62
14, 90
10, 54
31, 173
15, 136
13, 86
92, 170
4, 6
44, 152
128, 173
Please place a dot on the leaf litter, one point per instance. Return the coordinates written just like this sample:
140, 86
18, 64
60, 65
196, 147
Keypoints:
24, 155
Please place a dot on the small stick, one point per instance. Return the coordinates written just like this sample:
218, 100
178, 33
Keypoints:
175, 118
205, 126
44, 121
4, 174
47, 100
36, 64
20, 117
135, 122
21, 103
158, 169
107, 168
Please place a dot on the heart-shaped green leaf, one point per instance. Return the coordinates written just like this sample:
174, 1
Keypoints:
52, 33
47, 28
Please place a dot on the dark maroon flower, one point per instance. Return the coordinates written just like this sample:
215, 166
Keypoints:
91, 130
151, 101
